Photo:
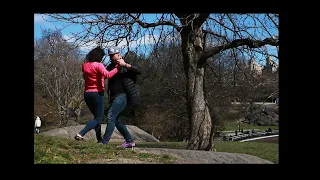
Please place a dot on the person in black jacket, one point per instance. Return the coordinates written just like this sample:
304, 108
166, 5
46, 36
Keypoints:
118, 98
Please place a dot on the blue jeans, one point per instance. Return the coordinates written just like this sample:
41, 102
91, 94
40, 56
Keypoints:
95, 102
116, 107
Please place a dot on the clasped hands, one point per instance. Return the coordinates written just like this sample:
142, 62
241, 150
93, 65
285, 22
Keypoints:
121, 62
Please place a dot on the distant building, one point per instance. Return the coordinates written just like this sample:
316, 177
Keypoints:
270, 66
254, 66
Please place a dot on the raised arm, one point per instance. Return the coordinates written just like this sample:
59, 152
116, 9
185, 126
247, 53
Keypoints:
106, 73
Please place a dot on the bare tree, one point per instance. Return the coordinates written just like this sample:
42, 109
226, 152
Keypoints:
58, 78
164, 88
247, 32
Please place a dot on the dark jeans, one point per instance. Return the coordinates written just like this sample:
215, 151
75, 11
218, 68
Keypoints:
113, 116
94, 101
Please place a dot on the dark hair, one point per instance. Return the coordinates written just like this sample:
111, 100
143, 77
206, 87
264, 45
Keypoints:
95, 55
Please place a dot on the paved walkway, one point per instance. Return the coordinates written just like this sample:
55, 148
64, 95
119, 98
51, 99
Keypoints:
263, 137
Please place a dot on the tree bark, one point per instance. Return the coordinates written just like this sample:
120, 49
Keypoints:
201, 131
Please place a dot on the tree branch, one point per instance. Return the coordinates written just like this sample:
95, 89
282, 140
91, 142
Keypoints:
214, 34
235, 43
274, 22
222, 24
159, 23
202, 17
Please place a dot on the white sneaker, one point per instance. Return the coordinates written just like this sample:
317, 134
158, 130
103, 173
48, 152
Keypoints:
78, 137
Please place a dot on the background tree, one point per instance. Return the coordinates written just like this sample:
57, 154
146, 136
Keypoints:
58, 79
164, 86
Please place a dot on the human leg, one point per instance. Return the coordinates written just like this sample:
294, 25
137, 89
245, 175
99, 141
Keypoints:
95, 102
117, 106
98, 127
122, 128
98, 132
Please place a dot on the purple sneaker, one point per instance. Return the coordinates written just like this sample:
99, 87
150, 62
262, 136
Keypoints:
128, 144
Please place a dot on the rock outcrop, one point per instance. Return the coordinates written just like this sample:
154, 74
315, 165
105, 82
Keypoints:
70, 131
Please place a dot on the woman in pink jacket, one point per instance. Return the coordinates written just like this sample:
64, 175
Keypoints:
94, 74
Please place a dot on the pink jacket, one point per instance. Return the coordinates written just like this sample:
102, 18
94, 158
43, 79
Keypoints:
94, 74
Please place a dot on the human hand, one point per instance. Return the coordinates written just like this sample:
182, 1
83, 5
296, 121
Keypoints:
121, 62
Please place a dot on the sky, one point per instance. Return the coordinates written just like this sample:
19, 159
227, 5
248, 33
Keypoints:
40, 23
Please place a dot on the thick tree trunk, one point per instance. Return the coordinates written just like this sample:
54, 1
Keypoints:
200, 121
64, 118
201, 131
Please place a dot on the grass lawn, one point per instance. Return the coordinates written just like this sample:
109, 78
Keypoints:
232, 126
57, 150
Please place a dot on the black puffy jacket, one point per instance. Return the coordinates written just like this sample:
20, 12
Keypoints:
124, 81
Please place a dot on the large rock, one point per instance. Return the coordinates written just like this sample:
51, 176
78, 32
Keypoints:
70, 132
184, 156
270, 107
205, 157
263, 114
